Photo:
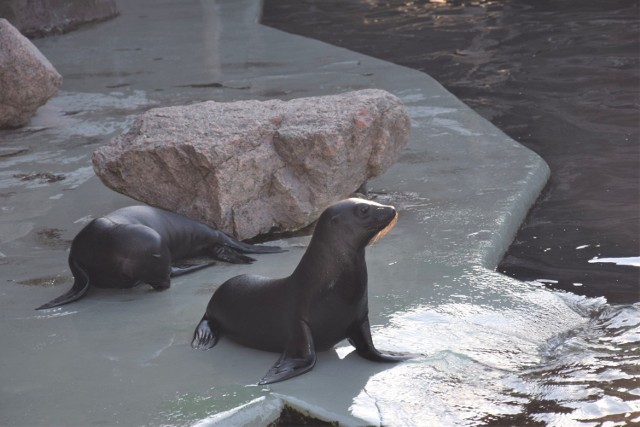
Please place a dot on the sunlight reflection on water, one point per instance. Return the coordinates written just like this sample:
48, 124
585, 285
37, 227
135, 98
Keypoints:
544, 357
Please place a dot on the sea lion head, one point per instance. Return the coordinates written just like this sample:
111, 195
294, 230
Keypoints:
357, 222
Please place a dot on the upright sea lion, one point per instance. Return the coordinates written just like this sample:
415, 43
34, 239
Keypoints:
138, 244
321, 303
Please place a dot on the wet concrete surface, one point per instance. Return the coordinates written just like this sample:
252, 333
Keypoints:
462, 189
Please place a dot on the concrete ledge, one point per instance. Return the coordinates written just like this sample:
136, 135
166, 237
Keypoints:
462, 188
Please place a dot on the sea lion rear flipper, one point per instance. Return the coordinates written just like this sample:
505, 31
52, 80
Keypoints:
298, 357
228, 254
77, 291
248, 247
360, 337
205, 336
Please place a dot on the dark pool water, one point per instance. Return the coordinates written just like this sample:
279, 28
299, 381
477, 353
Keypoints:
561, 77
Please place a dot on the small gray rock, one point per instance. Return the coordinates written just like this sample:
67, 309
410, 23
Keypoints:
252, 167
27, 78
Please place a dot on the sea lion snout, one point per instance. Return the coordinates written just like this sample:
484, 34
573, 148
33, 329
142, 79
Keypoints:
370, 215
376, 215
385, 219
385, 214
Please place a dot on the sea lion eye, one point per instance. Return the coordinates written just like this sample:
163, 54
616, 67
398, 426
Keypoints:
363, 209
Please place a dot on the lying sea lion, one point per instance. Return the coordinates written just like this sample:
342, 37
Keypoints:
321, 303
138, 244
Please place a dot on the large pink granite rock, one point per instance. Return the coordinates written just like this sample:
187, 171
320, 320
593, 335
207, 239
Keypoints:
27, 78
252, 167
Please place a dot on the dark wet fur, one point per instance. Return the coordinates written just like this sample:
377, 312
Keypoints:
141, 244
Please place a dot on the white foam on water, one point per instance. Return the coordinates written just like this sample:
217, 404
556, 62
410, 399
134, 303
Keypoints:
633, 261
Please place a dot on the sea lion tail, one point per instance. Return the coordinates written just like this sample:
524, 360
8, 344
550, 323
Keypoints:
77, 291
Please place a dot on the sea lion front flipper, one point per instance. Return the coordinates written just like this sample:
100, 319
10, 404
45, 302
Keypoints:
360, 337
298, 357
205, 336
179, 271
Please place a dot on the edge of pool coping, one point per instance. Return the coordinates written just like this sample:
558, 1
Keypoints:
528, 191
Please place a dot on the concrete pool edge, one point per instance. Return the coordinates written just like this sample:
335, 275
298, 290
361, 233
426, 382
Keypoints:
462, 185
538, 171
